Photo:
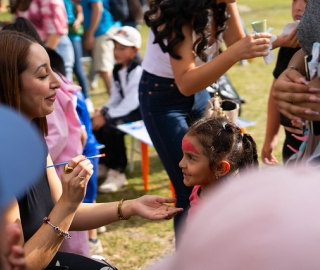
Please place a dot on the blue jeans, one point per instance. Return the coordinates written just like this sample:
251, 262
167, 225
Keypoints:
78, 68
167, 115
65, 49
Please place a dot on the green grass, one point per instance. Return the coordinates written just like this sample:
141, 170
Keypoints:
136, 243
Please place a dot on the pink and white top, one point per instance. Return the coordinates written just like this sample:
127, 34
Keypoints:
47, 16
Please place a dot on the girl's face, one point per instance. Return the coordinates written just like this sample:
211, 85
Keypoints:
297, 9
38, 84
195, 164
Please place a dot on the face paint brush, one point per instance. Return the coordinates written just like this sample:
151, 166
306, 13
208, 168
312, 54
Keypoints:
64, 163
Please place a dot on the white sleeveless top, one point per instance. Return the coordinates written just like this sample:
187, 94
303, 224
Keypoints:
158, 63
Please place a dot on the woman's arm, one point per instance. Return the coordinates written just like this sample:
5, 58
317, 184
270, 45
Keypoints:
43, 245
96, 11
79, 15
272, 130
235, 31
191, 79
94, 215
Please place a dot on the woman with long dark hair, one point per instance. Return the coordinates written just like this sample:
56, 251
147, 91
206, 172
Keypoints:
53, 206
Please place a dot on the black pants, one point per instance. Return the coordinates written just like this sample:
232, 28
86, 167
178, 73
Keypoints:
71, 261
113, 139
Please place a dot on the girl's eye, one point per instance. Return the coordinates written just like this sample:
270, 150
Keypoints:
190, 157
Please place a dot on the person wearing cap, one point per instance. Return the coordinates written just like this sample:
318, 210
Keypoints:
122, 107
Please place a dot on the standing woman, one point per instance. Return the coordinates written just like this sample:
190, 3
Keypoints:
184, 34
52, 207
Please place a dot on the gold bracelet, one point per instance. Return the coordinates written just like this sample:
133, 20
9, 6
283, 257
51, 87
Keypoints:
119, 211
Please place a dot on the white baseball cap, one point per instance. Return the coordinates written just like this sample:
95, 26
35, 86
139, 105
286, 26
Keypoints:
128, 36
22, 155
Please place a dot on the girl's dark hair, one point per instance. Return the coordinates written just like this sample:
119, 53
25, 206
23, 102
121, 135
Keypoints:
174, 14
223, 140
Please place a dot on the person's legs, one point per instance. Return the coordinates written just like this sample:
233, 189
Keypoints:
103, 59
115, 149
65, 49
78, 68
166, 113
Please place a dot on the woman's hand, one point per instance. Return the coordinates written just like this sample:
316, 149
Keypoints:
74, 183
267, 155
151, 207
295, 98
289, 41
253, 45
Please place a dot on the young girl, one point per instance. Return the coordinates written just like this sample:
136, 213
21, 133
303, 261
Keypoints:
213, 150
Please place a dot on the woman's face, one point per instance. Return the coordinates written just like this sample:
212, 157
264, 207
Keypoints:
38, 84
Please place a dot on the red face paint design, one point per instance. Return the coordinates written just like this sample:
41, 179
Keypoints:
188, 146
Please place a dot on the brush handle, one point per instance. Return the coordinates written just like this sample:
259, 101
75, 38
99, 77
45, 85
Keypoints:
64, 163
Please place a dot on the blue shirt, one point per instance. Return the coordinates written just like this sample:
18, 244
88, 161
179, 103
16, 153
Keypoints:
106, 21
71, 17
90, 148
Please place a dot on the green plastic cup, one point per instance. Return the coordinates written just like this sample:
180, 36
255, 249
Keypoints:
260, 26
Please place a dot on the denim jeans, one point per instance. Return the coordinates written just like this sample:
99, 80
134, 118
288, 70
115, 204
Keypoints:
167, 115
65, 49
78, 68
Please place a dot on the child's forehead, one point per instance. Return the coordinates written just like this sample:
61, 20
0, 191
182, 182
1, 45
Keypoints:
191, 144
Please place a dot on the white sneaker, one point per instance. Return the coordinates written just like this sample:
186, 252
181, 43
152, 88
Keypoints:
95, 248
102, 171
102, 229
94, 83
114, 181
89, 105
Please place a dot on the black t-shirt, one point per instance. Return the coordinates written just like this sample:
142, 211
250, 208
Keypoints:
35, 205
284, 56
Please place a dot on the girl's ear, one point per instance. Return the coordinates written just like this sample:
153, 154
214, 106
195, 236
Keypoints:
223, 168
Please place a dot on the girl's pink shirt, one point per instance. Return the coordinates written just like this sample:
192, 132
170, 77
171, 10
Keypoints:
47, 16
64, 138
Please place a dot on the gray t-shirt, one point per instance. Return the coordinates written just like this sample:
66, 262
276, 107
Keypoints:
309, 26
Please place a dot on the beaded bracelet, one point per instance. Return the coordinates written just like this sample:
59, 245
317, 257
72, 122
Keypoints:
119, 211
66, 235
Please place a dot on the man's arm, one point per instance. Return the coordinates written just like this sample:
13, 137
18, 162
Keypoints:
96, 13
